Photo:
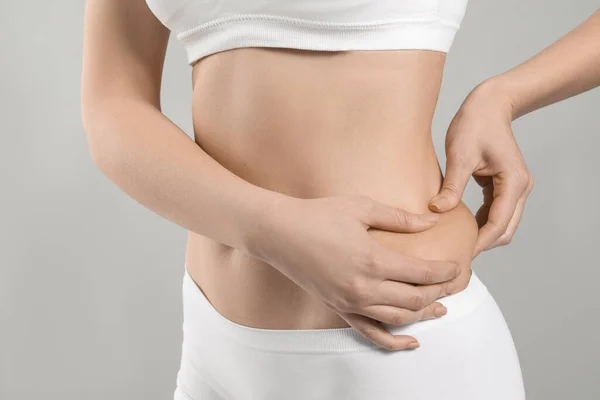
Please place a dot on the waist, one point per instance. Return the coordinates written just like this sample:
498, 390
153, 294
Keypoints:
249, 291
310, 125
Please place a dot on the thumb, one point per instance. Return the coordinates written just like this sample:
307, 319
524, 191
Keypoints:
394, 219
457, 176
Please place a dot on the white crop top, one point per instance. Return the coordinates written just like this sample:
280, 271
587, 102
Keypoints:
205, 27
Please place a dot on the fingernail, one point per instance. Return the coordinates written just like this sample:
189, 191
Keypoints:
439, 311
458, 271
450, 288
413, 345
434, 207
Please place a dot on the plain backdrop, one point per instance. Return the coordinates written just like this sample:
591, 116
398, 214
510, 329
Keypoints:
90, 280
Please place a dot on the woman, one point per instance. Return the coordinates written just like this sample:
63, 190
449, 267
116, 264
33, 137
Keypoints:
308, 189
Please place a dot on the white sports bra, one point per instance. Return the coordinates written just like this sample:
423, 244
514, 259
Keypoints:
210, 26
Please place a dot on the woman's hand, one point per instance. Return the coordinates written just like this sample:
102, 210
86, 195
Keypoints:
480, 142
323, 245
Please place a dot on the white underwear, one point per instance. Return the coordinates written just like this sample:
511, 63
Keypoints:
467, 354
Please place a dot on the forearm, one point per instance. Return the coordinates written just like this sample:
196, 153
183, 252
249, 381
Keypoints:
159, 166
566, 68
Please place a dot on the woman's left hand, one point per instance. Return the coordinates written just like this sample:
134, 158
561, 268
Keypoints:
480, 143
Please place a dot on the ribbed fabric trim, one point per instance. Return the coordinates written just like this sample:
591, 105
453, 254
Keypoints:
257, 30
203, 315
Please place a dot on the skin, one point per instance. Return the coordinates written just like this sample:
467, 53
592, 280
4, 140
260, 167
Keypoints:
301, 213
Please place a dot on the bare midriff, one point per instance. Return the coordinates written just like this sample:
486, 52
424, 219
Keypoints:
313, 124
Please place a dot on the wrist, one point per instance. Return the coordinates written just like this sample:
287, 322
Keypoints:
264, 224
496, 94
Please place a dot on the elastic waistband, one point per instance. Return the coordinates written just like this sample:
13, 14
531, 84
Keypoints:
199, 313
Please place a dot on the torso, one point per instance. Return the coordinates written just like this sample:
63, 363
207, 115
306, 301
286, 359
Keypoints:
314, 124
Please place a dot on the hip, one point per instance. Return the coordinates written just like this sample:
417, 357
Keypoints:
467, 354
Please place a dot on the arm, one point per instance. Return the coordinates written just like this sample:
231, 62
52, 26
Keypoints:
480, 141
568, 67
141, 150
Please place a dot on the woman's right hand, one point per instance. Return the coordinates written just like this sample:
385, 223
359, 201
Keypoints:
323, 245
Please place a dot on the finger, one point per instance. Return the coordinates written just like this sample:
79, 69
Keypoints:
458, 173
508, 235
376, 333
458, 284
396, 219
488, 198
399, 316
482, 214
500, 213
404, 268
407, 296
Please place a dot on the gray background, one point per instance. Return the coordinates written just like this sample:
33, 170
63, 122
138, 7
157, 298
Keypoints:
90, 280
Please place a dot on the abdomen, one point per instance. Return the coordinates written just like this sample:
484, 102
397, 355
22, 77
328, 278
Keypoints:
314, 124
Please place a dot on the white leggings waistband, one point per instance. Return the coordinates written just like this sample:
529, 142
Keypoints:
199, 313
